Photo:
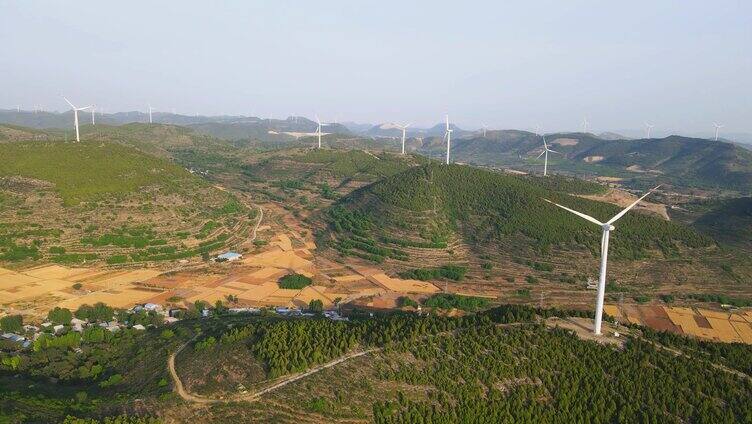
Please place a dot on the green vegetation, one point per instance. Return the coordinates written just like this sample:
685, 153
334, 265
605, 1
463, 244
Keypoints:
11, 323
89, 171
453, 301
294, 281
60, 315
97, 313
350, 163
487, 206
429, 369
720, 298
403, 301
450, 272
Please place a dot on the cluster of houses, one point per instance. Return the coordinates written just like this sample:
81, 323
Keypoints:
169, 316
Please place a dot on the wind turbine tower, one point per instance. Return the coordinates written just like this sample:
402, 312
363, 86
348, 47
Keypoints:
607, 228
584, 124
484, 127
404, 129
75, 116
717, 127
318, 129
93, 111
150, 110
544, 153
448, 136
648, 127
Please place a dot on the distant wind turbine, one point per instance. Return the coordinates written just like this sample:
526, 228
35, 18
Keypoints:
318, 129
544, 153
93, 111
404, 129
584, 124
75, 116
150, 110
717, 127
484, 127
448, 136
607, 228
648, 127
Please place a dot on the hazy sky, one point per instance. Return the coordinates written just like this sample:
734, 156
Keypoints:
679, 64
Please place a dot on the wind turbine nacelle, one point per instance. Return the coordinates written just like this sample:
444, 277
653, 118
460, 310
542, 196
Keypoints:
608, 227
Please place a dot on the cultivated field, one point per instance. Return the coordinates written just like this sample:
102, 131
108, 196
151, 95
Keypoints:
730, 327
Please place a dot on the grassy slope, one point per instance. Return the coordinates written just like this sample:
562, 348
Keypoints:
88, 171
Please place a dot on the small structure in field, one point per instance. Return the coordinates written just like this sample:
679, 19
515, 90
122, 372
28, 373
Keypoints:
228, 257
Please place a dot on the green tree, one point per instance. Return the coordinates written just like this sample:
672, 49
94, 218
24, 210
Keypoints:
316, 306
60, 315
11, 323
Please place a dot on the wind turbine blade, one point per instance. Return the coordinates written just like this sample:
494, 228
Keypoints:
620, 214
85, 107
68, 101
553, 151
407, 125
580, 214
541, 154
447, 122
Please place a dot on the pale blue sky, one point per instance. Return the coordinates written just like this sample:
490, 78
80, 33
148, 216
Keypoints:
680, 64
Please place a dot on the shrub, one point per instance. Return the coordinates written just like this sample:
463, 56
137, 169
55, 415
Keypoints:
11, 323
294, 281
60, 315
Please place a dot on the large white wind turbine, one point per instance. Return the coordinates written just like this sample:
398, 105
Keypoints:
717, 127
448, 136
150, 110
404, 129
75, 116
648, 127
544, 153
607, 228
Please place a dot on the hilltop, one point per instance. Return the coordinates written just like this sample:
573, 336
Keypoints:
75, 202
681, 161
438, 201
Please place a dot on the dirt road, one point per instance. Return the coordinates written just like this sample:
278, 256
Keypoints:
249, 397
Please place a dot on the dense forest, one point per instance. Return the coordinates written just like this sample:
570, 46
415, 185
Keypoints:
497, 365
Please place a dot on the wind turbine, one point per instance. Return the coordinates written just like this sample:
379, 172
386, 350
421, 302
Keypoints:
448, 136
717, 127
544, 153
93, 111
484, 127
150, 110
75, 116
607, 228
404, 129
648, 127
318, 129
584, 124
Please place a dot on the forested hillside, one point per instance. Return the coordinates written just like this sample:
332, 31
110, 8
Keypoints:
683, 161
506, 364
426, 204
